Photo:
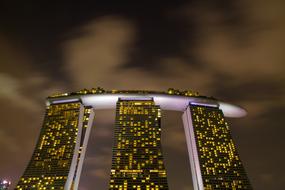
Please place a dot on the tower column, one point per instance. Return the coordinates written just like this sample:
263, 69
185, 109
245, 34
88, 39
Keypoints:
192, 150
58, 156
137, 161
87, 122
214, 160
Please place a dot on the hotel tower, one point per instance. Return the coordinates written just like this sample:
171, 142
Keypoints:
137, 160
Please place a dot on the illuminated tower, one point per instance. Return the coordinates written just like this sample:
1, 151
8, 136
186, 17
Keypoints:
215, 163
57, 160
137, 161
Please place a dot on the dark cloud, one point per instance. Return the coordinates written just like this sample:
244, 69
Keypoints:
45, 26
259, 146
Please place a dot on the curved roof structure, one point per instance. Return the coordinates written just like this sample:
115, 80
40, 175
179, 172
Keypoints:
171, 100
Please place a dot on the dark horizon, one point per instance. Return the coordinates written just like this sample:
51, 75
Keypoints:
231, 50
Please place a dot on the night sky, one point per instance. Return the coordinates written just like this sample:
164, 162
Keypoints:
232, 50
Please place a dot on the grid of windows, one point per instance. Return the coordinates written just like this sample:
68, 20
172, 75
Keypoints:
221, 167
51, 161
137, 161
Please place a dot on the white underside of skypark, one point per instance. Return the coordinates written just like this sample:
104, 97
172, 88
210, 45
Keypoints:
166, 102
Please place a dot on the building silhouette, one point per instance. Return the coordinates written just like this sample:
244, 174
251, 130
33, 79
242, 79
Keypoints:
137, 161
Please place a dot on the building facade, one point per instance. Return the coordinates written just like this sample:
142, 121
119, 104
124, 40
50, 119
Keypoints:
58, 156
212, 153
137, 161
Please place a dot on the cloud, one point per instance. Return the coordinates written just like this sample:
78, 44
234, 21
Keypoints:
14, 58
9, 142
173, 136
98, 161
11, 90
23, 84
100, 173
91, 59
247, 47
266, 177
97, 58
243, 57
104, 133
